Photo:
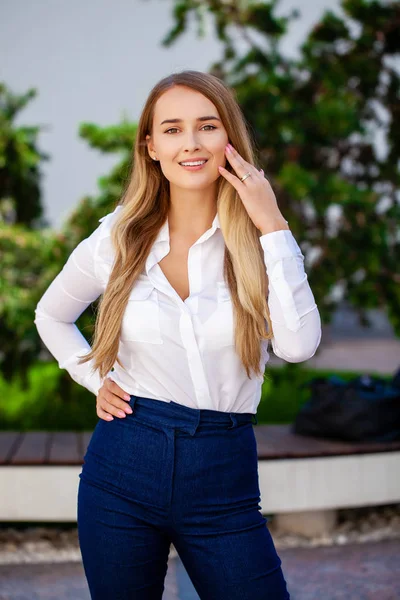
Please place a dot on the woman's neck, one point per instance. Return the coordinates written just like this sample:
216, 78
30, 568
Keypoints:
191, 212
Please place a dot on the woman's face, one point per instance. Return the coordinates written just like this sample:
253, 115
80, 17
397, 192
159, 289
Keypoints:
195, 133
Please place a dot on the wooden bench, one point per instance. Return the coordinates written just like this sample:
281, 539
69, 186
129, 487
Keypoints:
303, 480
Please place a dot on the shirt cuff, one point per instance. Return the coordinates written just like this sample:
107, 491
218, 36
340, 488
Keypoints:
279, 244
83, 373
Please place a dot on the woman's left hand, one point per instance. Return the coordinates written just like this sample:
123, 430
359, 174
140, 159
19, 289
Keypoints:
255, 192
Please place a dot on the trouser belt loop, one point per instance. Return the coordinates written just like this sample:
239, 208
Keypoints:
194, 428
234, 421
132, 402
255, 419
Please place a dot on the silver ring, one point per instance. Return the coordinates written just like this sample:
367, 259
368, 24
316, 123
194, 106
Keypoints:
245, 176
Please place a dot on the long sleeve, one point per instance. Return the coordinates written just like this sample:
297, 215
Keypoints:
294, 314
69, 294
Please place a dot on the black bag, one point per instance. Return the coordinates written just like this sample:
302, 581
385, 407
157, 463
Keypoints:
364, 409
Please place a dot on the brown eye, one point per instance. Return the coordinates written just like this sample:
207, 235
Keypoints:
175, 129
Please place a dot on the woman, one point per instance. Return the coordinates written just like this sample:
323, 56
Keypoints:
198, 270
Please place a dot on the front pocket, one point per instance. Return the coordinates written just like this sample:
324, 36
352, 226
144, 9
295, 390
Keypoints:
141, 320
125, 456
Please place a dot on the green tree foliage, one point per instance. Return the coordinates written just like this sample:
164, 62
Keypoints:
115, 140
316, 121
20, 159
28, 257
31, 258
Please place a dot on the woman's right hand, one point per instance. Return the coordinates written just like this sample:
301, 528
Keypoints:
111, 400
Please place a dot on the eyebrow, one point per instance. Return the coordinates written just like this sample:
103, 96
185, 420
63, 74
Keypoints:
209, 118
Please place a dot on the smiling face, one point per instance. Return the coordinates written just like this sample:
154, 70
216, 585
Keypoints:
187, 128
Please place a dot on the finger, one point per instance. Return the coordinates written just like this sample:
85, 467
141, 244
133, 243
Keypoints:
242, 169
113, 387
237, 184
102, 414
112, 409
116, 401
240, 165
267, 180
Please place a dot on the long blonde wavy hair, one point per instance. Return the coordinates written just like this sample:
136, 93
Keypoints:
145, 205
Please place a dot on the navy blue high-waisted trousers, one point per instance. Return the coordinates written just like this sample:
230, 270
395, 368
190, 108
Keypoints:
171, 473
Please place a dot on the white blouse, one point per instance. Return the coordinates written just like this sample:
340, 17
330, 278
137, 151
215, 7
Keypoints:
174, 349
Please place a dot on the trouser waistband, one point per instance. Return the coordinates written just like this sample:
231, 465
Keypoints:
173, 414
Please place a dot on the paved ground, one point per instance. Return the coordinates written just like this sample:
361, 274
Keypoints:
354, 572
351, 572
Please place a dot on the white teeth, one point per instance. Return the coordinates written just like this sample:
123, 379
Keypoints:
193, 164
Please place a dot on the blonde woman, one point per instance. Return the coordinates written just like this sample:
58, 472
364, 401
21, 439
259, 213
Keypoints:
197, 271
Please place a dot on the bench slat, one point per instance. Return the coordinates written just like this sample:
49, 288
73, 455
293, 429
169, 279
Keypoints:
278, 441
65, 448
33, 449
9, 441
86, 436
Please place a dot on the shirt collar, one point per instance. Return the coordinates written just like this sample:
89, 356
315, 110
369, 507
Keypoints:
161, 243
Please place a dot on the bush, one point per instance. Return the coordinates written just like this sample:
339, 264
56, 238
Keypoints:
52, 401
282, 396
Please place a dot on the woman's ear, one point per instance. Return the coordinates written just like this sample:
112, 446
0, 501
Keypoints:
150, 147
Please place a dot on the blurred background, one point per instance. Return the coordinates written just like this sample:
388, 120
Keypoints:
319, 83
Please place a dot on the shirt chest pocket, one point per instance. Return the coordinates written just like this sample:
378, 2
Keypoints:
141, 320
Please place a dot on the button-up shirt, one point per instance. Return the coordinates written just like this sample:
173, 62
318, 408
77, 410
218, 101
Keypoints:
174, 349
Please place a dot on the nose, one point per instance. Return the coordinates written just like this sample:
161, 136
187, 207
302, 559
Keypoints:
191, 142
